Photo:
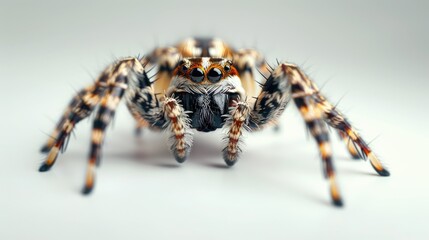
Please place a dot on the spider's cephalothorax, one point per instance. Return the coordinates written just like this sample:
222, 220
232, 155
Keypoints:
203, 84
206, 88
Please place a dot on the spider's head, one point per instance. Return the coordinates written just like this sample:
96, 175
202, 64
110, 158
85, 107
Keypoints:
206, 87
205, 70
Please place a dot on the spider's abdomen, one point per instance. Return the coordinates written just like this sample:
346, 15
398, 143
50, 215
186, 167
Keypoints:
205, 47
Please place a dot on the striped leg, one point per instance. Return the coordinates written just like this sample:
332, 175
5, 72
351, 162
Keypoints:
160, 114
117, 83
351, 147
76, 100
237, 122
302, 95
336, 120
107, 91
81, 110
247, 62
271, 101
318, 129
161, 64
178, 123
104, 116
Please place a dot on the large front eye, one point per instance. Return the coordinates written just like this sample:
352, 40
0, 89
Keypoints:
197, 75
214, 75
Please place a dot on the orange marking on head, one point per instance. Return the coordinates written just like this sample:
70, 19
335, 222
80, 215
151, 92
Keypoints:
185, 68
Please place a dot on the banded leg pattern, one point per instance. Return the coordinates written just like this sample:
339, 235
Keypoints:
178, 123
237, 122
107, 92
336, 120
165, 113
81, 110
351, 147
104, 116
319, 130
76, 100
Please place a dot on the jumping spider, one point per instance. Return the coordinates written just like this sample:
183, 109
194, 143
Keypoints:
205, 85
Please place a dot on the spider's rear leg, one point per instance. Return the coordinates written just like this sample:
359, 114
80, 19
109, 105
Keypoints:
108, 89
318, 129
289, 75
76, 100
351, 147
81, 107
104, 116
248, 62
336, 120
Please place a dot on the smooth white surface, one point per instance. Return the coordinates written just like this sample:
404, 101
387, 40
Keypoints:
373, 54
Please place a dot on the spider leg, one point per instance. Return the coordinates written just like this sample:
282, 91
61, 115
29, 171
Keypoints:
106, 91
237, 121
318, 129
178, 124
337, 120
247, 62
285, 82
76, 100
123, 73
267, 107
80, 110
160, 64
163, 113
351, 147
313, 116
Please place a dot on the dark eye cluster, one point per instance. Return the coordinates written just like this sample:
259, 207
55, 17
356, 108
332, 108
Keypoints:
197, 75
214, 75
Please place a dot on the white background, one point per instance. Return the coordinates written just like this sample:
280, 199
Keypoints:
372, 55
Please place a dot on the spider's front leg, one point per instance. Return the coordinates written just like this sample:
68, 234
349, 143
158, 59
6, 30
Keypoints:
237, 122
166, 113
269, 105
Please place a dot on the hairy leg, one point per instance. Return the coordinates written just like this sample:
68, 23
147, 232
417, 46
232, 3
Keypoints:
161, 113
236, 123
351, 147
75, 102
106, 92
338, 121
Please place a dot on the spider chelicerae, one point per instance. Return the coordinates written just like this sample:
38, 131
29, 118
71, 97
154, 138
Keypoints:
203, 84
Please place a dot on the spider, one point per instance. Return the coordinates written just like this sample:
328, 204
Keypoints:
204, 84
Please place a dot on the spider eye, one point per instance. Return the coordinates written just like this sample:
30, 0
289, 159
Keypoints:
214, 75
197, 75
184, 68
227, 68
